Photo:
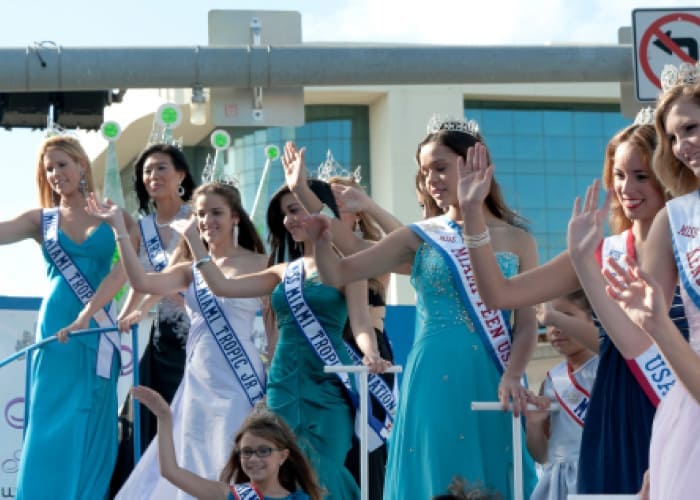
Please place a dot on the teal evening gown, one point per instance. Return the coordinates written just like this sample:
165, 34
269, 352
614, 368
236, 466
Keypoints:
436, 435
313, 403
71, 441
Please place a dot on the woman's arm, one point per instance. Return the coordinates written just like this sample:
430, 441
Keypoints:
394, 250
541, 284
351, 199
182, 478
26, 225
361, 326
658, 260
584, 235
584, 332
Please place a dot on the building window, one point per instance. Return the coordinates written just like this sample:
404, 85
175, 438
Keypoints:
546, 155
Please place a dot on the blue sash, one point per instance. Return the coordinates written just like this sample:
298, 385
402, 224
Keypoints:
321, 344
227, 340
152, 243
81, 287
446, 237
649, 369
572, 396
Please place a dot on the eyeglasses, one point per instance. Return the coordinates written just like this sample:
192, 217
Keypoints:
262, 452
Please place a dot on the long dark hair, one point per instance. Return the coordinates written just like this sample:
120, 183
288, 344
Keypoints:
459, 142
180, 164
282, 247
295, 473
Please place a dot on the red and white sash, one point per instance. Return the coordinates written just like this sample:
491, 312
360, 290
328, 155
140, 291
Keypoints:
246, 491
446, 237
649, 368
572, 396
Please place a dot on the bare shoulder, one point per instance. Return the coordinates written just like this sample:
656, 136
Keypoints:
509, 238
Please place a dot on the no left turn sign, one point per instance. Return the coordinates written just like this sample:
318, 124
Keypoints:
662, 36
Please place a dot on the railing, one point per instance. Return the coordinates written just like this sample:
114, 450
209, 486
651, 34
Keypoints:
29, 351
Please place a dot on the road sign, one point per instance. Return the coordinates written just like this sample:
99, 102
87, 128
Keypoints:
662, 36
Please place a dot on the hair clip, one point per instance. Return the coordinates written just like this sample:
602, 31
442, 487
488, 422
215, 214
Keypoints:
684, 74
331, 168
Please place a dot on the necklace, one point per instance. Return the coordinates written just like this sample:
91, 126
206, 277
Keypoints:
181, 212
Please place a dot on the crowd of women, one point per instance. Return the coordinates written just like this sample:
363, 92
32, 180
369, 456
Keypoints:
620, 309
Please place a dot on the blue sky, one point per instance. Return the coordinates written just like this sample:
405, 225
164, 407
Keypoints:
83, 23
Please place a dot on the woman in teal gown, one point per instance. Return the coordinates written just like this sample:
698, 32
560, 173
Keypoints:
314, 404
436, 436
71, 437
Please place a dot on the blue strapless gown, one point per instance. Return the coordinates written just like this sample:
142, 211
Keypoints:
71, 442
314, 403
436, 435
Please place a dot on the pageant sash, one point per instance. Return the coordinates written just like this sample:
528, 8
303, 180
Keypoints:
684, 219
445, 236
82, 289
649, 368
321, 344
572, 396
152, 243
227, 340
246, 491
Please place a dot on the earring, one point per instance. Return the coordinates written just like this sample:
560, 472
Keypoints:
235, 235
83, 185
358, 230
180, 190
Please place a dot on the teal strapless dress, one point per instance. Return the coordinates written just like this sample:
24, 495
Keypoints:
314, 403
436, 435
71, 442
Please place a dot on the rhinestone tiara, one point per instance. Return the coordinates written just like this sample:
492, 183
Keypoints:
645, 116
331, 168
437, 123
684, 74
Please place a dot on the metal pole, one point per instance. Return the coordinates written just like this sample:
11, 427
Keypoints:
363, 372
136, 406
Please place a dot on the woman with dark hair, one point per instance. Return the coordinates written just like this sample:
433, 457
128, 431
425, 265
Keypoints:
223, 376
163, 186
462, 352
310, 319
264, 463
70, 441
